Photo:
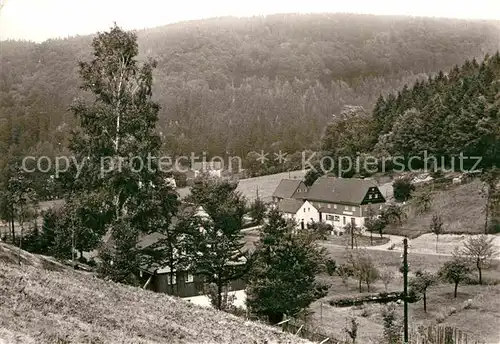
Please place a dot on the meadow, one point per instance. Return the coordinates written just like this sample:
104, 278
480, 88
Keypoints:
480, 320
461, 208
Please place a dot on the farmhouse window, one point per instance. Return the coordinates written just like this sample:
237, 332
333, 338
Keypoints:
344, 221
337, 218
189, 278
334, 206
174, 279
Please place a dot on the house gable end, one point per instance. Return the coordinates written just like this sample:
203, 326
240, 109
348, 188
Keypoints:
373, 196
301, 191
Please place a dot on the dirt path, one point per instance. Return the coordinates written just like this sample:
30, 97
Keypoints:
424, 244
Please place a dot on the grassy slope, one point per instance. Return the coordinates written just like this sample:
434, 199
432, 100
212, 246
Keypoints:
64, 306
460, 207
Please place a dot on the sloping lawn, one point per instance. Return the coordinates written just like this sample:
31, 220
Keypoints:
39, 306
461, 208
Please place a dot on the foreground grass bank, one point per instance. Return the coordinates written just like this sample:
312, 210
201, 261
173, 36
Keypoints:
44, 302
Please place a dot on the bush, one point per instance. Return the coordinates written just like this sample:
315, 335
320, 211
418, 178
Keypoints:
437, 174
403, 189
467, 304
331, 266
321, 290
360, 300
440, 317
320, 229
366, 311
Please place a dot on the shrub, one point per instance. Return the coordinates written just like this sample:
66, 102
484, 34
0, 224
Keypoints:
437, 174
83, 260
392, 324
467, 304
440, 317
403, 188
331, 266
366, 311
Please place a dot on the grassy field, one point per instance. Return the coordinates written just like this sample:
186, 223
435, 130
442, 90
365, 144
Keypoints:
482, 320
447, 243
64, 306
460, 207
360, 241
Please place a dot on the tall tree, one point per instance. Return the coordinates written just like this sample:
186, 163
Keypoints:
19, 198
284, 266
216, 241
422, 201
455, 271
363, 266
436, 227
490, 179
480, 250
421, 282
257, 210
116, 140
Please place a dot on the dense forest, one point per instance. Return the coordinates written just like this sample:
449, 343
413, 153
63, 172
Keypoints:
233, 86
448, 115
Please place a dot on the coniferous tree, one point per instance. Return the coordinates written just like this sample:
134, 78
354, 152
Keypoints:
284, 266
215, 241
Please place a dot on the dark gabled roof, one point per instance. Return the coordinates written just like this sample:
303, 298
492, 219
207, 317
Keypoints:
150, 239
290, 205
286, 188
339, 190
185, 210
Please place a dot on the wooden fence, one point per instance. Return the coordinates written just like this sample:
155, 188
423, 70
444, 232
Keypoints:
439, 334
435, 334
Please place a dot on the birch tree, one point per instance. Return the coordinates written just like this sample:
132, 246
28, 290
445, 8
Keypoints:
117, 143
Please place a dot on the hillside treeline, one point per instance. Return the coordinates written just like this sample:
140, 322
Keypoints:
232, 86
453, 116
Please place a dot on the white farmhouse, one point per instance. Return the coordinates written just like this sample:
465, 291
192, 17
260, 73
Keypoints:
302, 212
335, 201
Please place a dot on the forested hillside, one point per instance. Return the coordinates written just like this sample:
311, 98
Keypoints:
452, 114
234, 86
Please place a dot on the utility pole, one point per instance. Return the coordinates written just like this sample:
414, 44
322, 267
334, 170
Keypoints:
73, 246
405, 292
352, 238
73, 242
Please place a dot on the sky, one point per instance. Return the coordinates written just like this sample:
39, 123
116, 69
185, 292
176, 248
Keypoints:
38, 20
